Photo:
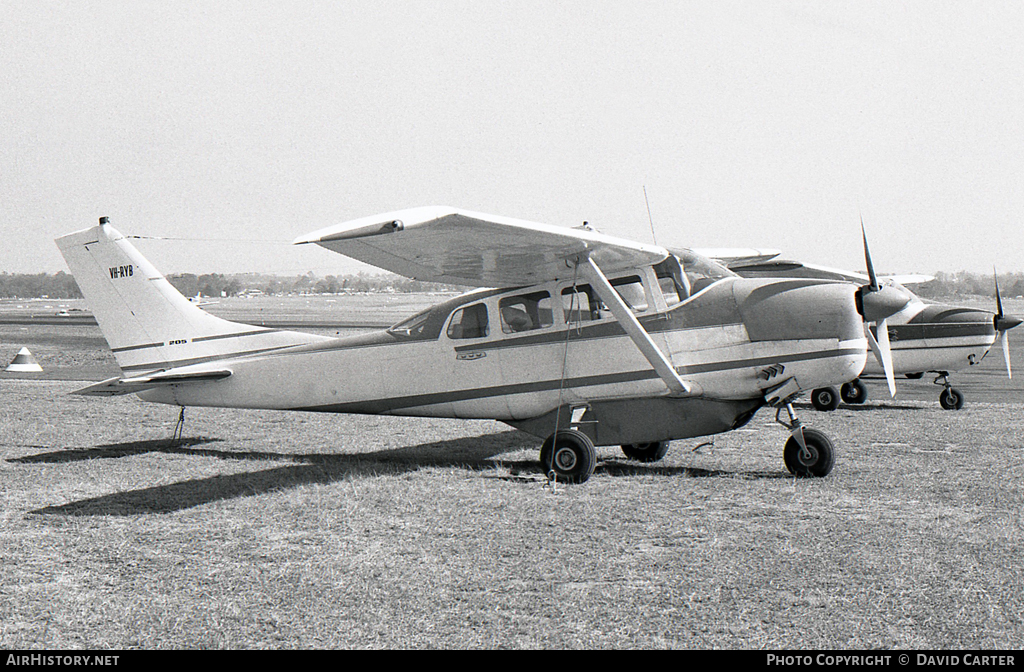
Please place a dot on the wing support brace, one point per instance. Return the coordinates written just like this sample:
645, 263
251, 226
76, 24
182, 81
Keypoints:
593, 274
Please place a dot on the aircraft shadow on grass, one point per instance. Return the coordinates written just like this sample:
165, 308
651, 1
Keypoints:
881, 406
471, 453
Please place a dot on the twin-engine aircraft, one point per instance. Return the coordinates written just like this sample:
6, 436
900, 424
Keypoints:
924, 337
593, 340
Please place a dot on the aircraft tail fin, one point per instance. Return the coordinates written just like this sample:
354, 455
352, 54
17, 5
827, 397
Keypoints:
148, 324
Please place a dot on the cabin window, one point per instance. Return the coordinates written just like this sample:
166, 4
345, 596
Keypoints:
525, 312
580, 304
631, 289
469, 322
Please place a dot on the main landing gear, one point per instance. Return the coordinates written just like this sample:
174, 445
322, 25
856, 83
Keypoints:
569, 456
854, 392
827, 399
808, 452
646, 452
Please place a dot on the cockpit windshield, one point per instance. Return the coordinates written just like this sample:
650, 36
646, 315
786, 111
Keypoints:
412, 327
685, 273
701, 271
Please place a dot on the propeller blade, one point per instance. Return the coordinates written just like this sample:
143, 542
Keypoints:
999, 300
883, 353
873, 286
883, 345
1005, 338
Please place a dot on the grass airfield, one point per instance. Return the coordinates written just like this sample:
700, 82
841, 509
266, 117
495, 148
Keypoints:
266, 529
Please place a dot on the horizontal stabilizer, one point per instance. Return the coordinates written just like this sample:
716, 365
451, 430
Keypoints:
113, 387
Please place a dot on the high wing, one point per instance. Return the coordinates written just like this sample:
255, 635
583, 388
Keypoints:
737, 255
444, 244
783, 268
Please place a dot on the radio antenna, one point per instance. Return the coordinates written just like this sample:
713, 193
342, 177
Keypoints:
649, 218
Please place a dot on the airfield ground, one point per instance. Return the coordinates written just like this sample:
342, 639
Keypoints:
268, 529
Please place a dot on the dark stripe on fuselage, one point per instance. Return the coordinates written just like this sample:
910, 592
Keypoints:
222, 336
195, 340
433, 398
129, 348
919, 332
173, 364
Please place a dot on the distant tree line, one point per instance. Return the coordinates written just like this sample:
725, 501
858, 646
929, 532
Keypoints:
59, 285
231, 285
962, 283
62, 285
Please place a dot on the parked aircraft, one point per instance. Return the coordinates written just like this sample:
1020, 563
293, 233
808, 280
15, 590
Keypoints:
925, 337
594, 340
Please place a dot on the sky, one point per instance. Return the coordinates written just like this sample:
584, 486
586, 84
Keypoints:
220, 131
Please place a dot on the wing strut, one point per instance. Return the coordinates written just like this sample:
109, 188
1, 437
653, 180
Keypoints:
633, 328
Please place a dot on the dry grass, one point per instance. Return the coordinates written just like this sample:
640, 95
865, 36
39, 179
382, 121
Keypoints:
297, 530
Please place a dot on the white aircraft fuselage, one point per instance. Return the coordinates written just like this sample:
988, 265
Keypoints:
728, 340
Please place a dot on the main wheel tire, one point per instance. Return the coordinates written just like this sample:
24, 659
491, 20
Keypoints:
951, 399
646, 452
570, 454
825, 399
822, 455
854, 392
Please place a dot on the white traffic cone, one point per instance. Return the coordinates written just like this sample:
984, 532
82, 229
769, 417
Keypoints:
24, 362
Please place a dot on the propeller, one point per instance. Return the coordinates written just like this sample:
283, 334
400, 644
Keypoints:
876, 303
1003, 324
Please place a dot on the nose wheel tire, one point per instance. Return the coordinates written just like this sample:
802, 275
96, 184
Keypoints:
854, 392
570, 455
646, 452
817, 461
951, 399
825, 399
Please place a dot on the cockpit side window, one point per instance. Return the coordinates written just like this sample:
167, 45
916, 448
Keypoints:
673, 283
469, 322
631, 290
525, 312
580, 304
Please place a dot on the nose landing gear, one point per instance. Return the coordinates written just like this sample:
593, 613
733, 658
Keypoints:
950, 398
808, 452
